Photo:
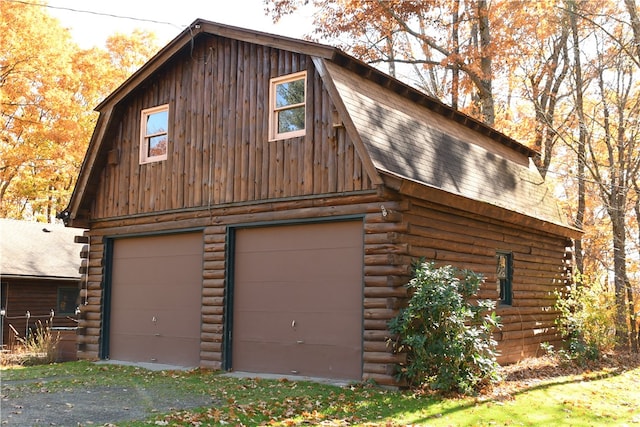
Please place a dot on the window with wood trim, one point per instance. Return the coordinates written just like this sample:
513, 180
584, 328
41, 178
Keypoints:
287, 105
154, 134
67, 301
504, 275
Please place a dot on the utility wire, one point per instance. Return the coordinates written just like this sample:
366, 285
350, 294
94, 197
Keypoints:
90, 12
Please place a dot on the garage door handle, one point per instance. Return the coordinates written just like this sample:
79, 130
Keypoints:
157, 335
299, 342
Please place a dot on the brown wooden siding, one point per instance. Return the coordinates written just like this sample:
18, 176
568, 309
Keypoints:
91, 293
218, 146
397, 232
38, 298
382, 286
222, 171
448, 236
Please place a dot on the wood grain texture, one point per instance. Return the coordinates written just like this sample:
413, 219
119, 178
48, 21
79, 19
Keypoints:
219, 150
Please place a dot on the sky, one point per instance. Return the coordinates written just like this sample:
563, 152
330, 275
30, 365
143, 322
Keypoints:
91, 21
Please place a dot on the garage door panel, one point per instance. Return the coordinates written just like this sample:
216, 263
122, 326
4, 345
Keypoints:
244, 353
328, 264
301, 296
319, 360
298, 300
139, 247
300, 242
264, 325
156, 293
158, 269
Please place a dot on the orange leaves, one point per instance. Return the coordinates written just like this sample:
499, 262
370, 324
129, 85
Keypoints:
278, 403
48, 88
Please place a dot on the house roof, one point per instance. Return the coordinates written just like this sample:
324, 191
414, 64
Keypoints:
396, 129
411, 141
38, 250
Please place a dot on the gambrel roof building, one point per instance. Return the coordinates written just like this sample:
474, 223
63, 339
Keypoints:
255, 203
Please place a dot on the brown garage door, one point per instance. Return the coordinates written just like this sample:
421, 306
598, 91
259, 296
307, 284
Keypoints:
298, 300
156, 290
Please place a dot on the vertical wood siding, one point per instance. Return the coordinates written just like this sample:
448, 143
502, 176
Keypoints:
218, 150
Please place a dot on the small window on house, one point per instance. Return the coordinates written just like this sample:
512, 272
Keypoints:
67, 301
154, 134
504, 273
287, 96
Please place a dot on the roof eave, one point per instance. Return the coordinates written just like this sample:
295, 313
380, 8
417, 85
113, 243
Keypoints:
409, 187
201, 26
40, 277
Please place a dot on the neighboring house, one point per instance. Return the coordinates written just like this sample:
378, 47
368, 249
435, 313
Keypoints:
39, 272
255, 203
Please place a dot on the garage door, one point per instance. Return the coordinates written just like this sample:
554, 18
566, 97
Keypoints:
156, 298
298, 300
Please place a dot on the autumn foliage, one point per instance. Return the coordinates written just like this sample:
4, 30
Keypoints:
48, 88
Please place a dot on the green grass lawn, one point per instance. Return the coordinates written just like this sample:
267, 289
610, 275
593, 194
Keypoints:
592, 398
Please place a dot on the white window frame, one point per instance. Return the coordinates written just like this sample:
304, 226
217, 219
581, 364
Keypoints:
274, 111
144, 138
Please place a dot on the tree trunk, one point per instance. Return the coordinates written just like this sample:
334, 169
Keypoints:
391, 53
620, 275
486, 90
579, 220
545, 88
455, 38
635, 25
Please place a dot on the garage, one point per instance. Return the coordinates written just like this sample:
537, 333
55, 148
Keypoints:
155, 293
297, 300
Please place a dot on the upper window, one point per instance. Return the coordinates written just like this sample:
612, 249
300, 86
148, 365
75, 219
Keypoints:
154, 134
504, 273
287, 96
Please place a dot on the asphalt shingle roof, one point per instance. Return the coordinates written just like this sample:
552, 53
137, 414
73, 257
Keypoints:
34, 249
411, 141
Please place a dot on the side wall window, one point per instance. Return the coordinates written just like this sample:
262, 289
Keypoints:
287, 106
67, 301
504, 274
154, 134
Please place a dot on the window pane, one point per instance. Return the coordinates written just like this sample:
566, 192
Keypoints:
157, 122
501, 271
291, 120
290, 93
67, 300
157, 145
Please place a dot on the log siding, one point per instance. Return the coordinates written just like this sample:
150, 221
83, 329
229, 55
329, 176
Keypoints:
449, 236
397, 231
385, 263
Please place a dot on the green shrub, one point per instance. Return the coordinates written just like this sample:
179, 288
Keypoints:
447, 339
586, 321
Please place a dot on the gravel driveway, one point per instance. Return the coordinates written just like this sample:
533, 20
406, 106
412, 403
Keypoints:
23, 404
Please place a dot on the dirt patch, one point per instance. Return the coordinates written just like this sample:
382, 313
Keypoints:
529, 373
32, 404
